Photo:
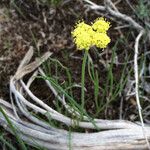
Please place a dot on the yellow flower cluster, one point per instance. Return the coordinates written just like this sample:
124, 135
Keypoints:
86, 36
100, 25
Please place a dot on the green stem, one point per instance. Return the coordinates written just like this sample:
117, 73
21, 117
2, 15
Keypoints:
83, 79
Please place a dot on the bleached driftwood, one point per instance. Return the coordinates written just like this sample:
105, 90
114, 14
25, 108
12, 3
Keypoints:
118, 134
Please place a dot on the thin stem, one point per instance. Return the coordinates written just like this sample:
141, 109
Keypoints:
83, 79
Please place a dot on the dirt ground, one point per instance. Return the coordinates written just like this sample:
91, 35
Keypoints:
49, 29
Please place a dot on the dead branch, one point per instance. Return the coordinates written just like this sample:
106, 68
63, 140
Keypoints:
122, 133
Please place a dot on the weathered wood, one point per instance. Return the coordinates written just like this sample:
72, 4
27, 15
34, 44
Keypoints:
118, 134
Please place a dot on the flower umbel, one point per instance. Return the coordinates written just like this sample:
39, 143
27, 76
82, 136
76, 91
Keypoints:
100, 25
83, 41
101, 40
86, 36
82, 36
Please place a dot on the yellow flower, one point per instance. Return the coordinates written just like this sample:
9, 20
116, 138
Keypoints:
83, 41
86, 36
100, 25
83, 36
101, 40
80, 28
